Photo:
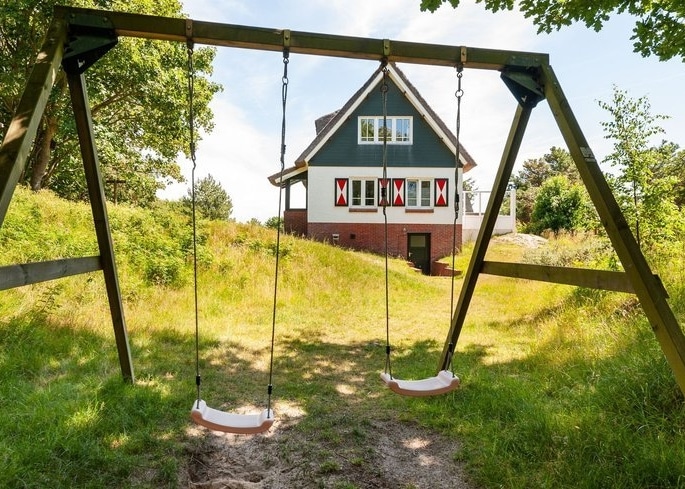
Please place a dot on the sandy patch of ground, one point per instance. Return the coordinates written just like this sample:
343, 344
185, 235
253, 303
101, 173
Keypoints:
525, 240
382, 454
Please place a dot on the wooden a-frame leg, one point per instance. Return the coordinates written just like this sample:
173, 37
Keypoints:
647, 286
499, 189
96, 191
22, 128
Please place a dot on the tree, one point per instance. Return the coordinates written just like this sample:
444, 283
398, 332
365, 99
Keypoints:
533, 175
274, 222
646, 178
211, 200
559, 205
659, 28
138, 100
672, 165
468, 187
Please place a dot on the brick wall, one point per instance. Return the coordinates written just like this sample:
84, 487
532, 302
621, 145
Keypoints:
370, 237
295, 221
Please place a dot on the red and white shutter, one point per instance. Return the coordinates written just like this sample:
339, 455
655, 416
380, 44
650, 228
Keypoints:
398, 192
383, 183
441, 192
341, 185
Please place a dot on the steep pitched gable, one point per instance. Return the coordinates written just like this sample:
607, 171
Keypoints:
327, 126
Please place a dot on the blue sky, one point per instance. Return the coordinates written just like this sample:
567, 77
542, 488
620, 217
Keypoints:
244, 146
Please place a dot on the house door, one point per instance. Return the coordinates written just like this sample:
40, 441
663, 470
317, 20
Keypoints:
419, 251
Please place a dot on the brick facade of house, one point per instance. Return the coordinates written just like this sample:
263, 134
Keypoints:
295, 221
371, 237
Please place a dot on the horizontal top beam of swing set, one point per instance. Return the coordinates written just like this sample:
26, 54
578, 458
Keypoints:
216, 34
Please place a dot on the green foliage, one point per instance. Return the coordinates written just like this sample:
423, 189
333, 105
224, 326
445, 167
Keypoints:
153, 247
532, 176
138, 103
659, 28
646, 177
559, 205
211, 200
577, 250
671, 165
559, 389
274, 222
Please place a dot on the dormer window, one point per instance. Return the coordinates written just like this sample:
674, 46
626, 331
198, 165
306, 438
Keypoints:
397, 130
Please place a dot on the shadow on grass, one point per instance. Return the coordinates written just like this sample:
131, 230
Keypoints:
575, 420
69, 419
564, 414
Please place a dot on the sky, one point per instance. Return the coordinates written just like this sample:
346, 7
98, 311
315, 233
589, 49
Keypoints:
244, 147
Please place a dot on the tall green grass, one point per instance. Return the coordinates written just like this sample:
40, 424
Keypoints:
560, 387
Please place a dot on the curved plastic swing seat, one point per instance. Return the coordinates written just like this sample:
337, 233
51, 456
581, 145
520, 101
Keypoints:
442, 383
241, 424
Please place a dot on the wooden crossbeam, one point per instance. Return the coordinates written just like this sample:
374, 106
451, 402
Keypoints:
580, 277
267, 39
31, 273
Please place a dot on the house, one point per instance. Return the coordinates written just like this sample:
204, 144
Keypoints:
342, 171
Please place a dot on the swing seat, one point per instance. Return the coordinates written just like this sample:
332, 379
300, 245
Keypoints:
442, 383
241, 424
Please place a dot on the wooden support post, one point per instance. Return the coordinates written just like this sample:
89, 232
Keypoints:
96, 192
646, 285
499, 188
22, 129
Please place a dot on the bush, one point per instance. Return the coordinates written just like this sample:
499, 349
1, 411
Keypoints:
559, 205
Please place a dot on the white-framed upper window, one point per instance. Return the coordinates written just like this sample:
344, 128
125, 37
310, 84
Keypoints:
397, 130
419, 193
363, 192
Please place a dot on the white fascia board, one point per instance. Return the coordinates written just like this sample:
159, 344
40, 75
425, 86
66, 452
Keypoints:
290, 174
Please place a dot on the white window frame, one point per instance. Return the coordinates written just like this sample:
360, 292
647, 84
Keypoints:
420, 197
392, 125
366, 202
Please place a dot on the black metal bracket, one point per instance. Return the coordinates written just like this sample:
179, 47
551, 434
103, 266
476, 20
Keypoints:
90, 38
525, 85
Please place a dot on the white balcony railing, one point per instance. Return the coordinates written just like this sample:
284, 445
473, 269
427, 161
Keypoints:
474, 203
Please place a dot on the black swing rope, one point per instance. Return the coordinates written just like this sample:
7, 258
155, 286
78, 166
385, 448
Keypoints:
191, 125
384, 204
457, 165
284, 98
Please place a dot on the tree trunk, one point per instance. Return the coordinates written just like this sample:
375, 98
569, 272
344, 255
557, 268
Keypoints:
40, 164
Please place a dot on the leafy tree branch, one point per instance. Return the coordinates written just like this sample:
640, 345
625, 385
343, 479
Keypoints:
659, 26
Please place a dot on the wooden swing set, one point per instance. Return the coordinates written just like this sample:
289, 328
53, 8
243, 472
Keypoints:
77, 38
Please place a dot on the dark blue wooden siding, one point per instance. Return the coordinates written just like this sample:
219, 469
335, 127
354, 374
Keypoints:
427, 150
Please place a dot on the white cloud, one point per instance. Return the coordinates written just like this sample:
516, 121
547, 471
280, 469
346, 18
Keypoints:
244, 148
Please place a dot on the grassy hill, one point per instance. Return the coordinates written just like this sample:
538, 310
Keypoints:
560, 387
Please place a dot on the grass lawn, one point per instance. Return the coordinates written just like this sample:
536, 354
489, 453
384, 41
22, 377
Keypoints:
560, 387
